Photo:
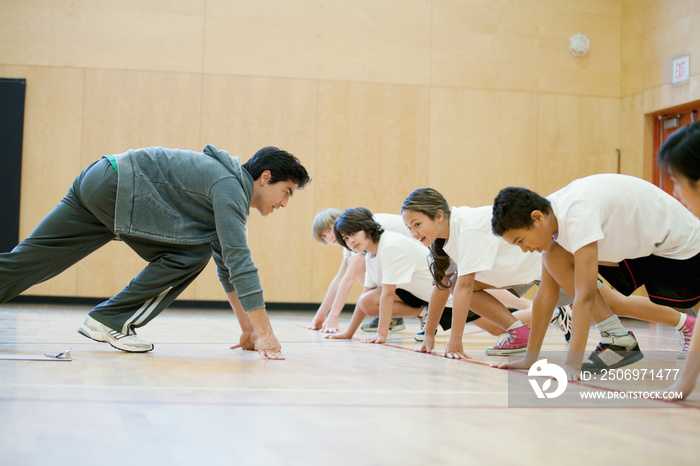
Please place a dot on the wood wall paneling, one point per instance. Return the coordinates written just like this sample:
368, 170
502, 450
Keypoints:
632, 159
243, 114
659, 13
669, 29
669, 96
481, 141
523, 46
115, 34
362, 40
631, 48
51, 150
132, 109
371, 145
577, 137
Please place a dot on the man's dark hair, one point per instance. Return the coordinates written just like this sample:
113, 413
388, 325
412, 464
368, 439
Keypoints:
282, 165
354, 220
681, 153
513, 207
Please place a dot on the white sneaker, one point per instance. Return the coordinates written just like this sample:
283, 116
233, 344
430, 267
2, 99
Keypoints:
423, 316
561, 319
100, 332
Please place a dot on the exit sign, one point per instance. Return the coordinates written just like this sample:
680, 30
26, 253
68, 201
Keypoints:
680, 72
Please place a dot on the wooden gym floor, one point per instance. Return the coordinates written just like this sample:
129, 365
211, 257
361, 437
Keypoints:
193, 401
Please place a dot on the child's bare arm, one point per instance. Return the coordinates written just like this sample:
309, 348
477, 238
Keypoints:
461, 296
357, 318
320, 317
586, 293
386, 310
353, 267
691, 369
438, 300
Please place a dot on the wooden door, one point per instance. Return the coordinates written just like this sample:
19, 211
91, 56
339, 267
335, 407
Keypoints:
666, 123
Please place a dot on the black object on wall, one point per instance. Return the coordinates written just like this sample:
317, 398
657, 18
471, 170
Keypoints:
11, 130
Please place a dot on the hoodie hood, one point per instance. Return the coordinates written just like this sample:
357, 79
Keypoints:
232, 164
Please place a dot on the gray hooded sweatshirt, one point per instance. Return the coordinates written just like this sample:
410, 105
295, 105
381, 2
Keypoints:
185, 197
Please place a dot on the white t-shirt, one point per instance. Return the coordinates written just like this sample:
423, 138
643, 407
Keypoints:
627, 216
393, 222
389, 222
403, 262
473, 248
347, 254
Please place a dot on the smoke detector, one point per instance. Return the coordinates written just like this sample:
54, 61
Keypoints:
579, 45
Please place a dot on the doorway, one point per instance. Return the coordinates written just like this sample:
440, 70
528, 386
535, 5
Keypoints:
666, 122
12, 93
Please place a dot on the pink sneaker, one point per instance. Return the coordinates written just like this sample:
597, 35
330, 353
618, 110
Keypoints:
686, 332
513, 341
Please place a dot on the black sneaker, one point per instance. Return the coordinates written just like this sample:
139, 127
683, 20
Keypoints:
396, 325
613, 352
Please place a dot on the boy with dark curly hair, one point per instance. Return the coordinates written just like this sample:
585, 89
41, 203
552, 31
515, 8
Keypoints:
624, 228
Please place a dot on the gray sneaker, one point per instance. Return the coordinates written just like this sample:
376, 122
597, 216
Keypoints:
613, 352
396, 325
100, 332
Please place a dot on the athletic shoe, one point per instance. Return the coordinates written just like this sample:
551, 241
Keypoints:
562, 320
396, 325
513, 341
420, 336
686, 334
100, 332
613, 352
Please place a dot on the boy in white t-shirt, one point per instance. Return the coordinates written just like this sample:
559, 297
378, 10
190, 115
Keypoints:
351, 268
622, 227
397, 279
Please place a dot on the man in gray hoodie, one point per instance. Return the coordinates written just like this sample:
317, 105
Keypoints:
176, 209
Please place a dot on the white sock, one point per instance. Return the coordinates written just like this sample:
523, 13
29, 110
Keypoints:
684, 316
611, 326
516, 324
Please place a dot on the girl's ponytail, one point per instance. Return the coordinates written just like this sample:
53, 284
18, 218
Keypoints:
439, 263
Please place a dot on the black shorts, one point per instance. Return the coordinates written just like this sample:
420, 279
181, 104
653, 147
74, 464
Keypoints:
413, 301
669, 282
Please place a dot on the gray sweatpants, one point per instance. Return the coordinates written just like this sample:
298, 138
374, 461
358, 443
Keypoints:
82, 223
